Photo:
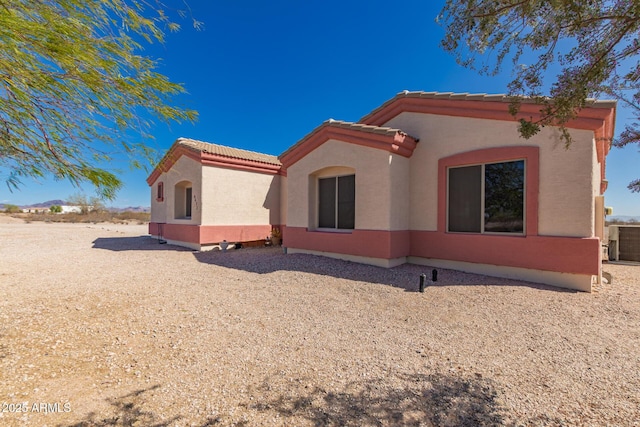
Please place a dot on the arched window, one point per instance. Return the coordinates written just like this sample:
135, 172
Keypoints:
335, 196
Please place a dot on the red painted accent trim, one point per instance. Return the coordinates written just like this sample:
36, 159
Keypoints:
587, 118
233, 233
397, 143
154, 227
169, 159
489, 155
180, 232
208, 234
238, 164
560, 254
366, 243
208, 159
599, 120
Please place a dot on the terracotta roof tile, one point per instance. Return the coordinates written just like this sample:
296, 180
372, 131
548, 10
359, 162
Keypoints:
222, 150
482, 97
380, 130
591, 102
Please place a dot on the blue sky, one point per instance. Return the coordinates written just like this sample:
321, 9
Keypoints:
264, 74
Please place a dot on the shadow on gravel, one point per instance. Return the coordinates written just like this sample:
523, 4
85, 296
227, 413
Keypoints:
128, 411
4, 350
438, 400
138, 243
406, 276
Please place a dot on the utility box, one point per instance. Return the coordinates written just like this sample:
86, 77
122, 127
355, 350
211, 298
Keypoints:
624, 243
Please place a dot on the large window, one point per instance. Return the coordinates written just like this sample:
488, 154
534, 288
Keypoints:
336, 202
487, 198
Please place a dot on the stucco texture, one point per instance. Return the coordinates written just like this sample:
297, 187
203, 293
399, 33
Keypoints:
184, 169
567, 182
379, 175
237, 197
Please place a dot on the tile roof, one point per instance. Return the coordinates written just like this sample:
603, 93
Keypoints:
224, 151
391, 136
591, 102
381, 130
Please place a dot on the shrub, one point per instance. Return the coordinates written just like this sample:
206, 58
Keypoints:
12, 209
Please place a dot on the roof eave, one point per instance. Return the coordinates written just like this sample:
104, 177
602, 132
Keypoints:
388, 139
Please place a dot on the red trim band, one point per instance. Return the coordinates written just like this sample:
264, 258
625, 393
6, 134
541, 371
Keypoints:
559, 254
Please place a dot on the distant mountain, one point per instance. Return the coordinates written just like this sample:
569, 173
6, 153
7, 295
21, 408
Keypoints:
131, 209
623, 218
58, 202
46, 204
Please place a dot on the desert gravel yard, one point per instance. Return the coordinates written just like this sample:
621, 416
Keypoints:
102, 326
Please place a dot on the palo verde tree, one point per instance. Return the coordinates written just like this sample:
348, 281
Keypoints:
594, 42
75, 89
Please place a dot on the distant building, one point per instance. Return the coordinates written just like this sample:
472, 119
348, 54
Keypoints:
71, 209
35, 210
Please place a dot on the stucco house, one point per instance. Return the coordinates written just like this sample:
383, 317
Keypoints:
428, 178
205, 193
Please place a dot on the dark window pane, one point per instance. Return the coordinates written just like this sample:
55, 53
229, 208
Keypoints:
347, 202
465, 199
327, 203
504, 197
188, 202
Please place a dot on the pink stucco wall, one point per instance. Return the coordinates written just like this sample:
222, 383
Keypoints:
560, 254
365, 243
209, 234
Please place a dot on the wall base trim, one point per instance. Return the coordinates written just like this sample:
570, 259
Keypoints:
578, 282
378, 262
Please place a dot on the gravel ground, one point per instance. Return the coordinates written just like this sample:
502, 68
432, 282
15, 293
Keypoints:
102, 326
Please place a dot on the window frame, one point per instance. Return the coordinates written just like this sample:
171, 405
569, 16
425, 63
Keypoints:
188, 202
160, 192
483, 197
334, 229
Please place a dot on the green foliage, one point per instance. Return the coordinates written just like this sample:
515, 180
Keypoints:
86, 204
596, 43
55, 209
12, 209
74, 87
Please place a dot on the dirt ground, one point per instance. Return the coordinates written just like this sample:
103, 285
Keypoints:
102, 326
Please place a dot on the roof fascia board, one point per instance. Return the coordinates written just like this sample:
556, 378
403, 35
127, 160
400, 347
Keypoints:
396, 143
589, 118
207, 159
